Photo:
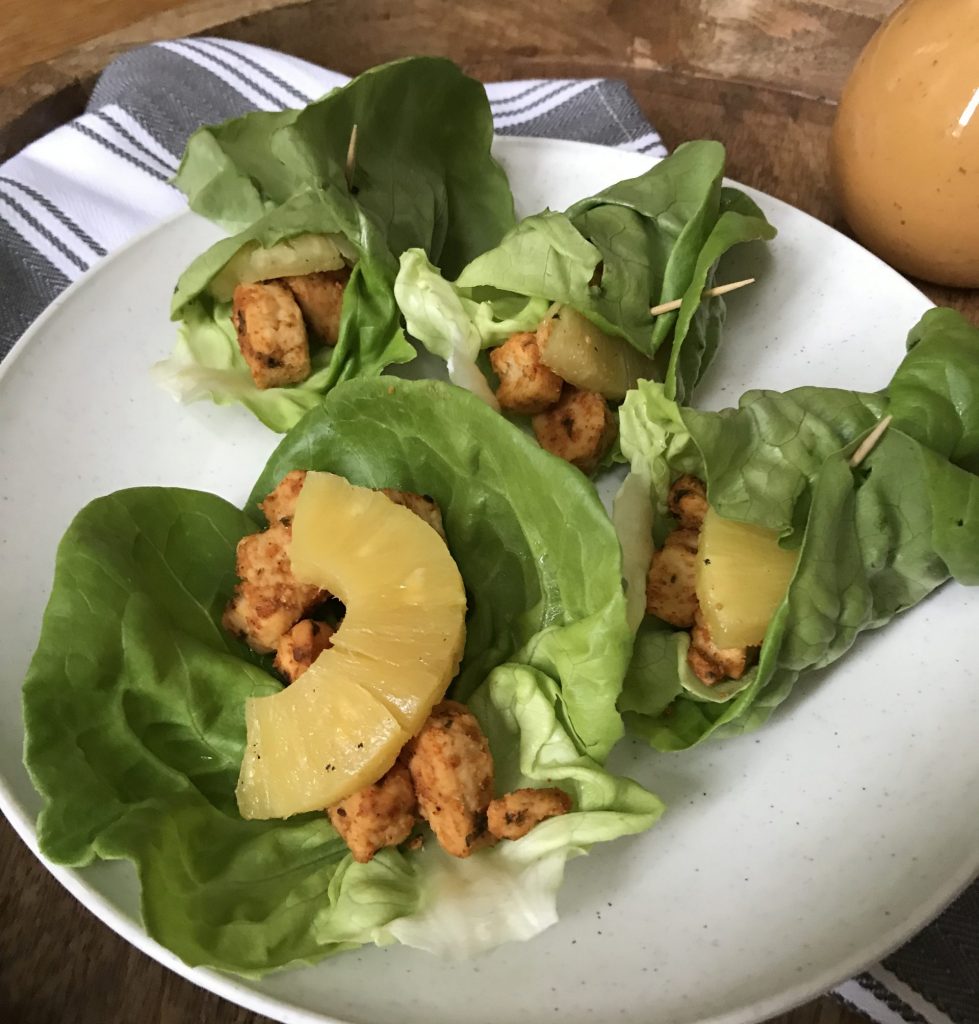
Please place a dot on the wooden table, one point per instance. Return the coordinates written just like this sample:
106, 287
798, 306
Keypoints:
762, 76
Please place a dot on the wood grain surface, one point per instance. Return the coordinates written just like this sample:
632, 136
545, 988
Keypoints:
760, 75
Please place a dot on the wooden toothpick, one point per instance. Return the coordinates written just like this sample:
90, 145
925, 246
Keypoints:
721, 289
868, 443
351, 157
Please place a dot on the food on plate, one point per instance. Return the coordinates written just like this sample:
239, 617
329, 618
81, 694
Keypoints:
299, 297
343, 722
139, 699
563, 303
784, 528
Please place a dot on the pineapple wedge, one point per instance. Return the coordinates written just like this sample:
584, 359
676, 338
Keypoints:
342, 724
303, 254
585, 356
742, 577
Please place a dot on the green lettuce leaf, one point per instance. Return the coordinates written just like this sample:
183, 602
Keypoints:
651, 239
873, 540
423, 170
134, 701
207, 361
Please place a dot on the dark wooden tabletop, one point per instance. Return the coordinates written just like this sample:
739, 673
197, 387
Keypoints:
762, 77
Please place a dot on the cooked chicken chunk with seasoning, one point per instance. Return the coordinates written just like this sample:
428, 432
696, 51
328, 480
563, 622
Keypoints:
452, 770
671, 585
687, 501
279, 505
712, 664
376, 816
579, 429
300, 647
271, 334
269, 600
526, 385
421, 504
320, 297
515, 814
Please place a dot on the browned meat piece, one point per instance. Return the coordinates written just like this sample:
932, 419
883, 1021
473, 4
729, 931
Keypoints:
515, 814
526, 385
579, 429
269, 600
271, 334
452, 769
301, 646
671, 585
712, 664
280, 504
421, 504
320, 297
687, 501
376, 816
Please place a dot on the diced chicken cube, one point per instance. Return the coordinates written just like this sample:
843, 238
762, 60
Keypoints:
671, 585
320, 297
687, 501
515, 814
271, 334
421, 504
269, 600
712, 664
279, 505
301, 646
376, 816
526, 385
452, 770
579, 429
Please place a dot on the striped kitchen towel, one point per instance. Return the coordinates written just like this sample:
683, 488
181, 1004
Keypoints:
86, 189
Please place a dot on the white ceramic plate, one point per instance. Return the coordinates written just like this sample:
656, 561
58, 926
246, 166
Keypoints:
787, 860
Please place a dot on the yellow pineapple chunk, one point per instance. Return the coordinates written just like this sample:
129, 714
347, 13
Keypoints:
585, 356
342, 724
742, 577
293, 257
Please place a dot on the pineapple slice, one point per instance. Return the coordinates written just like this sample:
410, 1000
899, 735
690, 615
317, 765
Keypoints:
742, 577
342, 724
293, 257
585, 356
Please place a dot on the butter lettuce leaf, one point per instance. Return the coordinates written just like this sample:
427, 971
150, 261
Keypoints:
651, 239
134, 700
873, 540
423, 172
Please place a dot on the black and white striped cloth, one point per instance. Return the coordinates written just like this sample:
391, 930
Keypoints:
77, 194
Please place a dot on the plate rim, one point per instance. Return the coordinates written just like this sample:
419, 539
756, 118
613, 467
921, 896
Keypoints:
240, 992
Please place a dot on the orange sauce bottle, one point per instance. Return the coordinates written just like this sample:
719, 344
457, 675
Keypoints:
905, 149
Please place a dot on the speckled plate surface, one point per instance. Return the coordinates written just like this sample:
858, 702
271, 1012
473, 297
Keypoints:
787, 859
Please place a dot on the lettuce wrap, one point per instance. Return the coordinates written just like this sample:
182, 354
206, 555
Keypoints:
610, 257
421, 175
134, 701
873, 539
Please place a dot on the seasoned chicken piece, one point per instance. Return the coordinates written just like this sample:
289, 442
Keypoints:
269, 600
515, 814
301, 646
671, 585
452, 769
421, 504
376, 816
579, 429
526, 384
271, 334
280, 505
320, 297
711, 664
687, 501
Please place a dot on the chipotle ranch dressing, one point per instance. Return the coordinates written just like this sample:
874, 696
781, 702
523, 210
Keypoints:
905, 150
